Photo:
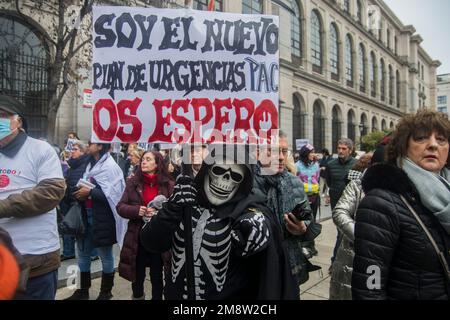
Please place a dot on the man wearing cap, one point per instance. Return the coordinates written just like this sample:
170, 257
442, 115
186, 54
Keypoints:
31, 186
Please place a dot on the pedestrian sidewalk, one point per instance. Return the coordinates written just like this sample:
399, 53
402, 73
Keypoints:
318, 285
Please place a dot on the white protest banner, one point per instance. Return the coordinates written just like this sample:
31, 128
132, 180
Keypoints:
181, 75
69, 144
299, 143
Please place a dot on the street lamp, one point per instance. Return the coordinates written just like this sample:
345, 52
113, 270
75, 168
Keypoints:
361, 129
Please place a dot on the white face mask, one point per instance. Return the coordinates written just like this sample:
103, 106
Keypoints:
222, 182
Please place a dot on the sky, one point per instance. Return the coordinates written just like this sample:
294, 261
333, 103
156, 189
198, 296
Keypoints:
431, 18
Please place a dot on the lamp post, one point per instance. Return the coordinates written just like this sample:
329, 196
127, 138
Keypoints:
361, 129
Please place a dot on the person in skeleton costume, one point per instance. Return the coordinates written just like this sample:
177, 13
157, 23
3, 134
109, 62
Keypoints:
237, 251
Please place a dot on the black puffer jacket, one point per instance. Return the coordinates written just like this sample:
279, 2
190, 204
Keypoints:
387, 236
76, 171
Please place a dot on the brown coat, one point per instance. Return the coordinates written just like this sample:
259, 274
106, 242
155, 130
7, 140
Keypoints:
128, 208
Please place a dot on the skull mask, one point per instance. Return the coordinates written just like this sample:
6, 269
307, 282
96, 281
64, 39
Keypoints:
222, 182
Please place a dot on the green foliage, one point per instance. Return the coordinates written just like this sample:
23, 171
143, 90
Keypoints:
370, 141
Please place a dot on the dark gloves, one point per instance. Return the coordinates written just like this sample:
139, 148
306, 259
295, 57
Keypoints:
250, 233
184, 192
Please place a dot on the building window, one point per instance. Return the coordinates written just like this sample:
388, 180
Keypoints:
298, 119
336, 127
24, 70
359, 11
316, 42
382, 80
296, 48
396, 45
380, 31
442, 99
362, 68
374, 124
391, 85
349, 61
252, 6
334, 52
388, 40
318, 126
372, 72
418, 68
203, 5
347, 6
442, 109
351, 125
423, 72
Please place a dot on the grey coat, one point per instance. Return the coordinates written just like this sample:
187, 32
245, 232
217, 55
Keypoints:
344, 219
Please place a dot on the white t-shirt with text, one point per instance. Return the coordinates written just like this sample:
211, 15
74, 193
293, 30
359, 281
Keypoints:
35, 161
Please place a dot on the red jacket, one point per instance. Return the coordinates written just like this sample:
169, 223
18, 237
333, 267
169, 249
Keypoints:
128, 207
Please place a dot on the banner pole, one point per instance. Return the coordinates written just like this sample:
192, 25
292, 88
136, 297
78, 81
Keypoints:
186, 169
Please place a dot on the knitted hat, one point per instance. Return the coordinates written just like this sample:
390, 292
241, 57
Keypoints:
305, 150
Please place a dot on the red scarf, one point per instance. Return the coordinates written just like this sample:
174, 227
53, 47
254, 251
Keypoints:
151, 185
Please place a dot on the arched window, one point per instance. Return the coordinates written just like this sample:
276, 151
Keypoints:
318, 126
374, 124
351, 125
336, 125
316, 42
334, 52
391, 85
24, 70
372, 73
349, 60
203, 5
398, 88
252, 6
362, 68
296, 32
391, 125
359, 11
382, 80
365, 124
298, 119
383, 125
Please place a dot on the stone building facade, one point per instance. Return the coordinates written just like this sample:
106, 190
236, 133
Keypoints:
348, 67
443, 93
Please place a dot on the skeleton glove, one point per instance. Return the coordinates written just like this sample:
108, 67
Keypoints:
250, 234
184, 192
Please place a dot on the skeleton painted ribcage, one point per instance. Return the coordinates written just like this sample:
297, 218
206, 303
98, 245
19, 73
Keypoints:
212, 242
211, 250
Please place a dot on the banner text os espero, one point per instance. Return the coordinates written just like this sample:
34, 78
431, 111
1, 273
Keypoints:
159, 75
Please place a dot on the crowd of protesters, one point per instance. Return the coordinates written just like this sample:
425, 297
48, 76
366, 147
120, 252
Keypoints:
253, 232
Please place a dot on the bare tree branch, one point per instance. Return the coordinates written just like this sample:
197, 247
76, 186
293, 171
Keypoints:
25, 17
85, 9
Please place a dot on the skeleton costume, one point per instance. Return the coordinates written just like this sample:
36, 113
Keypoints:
237, 249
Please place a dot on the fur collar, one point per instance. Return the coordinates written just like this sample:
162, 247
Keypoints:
388, 177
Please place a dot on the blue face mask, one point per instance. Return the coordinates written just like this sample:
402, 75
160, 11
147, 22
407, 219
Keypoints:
5, 128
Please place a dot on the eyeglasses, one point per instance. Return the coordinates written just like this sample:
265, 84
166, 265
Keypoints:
219, 171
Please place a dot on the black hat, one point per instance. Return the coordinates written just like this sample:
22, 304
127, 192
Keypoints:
13, 106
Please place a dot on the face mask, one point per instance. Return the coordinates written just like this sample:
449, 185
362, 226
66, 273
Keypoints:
222, 182
5, 128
